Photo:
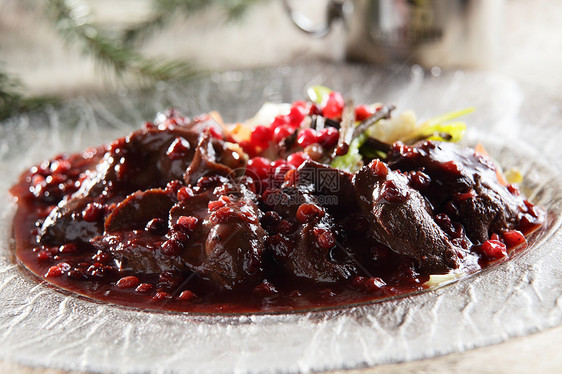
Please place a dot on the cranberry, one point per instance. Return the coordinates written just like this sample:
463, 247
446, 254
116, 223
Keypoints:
282, 132
215, 133
308, 212
324, 238
379, 168
61, 166
393, 193
362, 112
248, 147
215, 205
329, 137
307, 137
188, 222
76, 274
173, 186
161, 295
494, 249
144, 288
54, 272
68, 248
178, 149
128, 282
419, 180
187, 295
297, 114
260, 136
280, 120
514, 238
333, 108
297, 158
171, 247
258, 166
44, 255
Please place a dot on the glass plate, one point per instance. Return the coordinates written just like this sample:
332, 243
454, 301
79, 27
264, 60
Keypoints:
519, 125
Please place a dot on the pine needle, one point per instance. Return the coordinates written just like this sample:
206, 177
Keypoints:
72, 22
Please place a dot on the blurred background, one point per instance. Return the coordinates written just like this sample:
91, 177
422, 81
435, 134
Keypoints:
57, 48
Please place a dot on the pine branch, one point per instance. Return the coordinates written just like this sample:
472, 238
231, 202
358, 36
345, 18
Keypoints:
74, 25
12, 100
165, 10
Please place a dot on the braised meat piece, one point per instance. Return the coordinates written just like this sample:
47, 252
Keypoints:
461, 183
138, 209
402, 218
219, 239
306, 245
137, 251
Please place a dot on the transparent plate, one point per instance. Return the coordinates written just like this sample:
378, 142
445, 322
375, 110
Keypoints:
519, 125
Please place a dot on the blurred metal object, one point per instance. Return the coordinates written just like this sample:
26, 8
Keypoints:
336, 10
446, 33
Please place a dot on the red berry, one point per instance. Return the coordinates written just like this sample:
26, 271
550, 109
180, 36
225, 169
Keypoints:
307, 212
215, 205
297, 158
54, 272
184, 193
282, 132
280, 120
333, 108
362, 112
277, 163
128, 282
186, 295
494, 249
248, 147
215, 133
259, 166
379, 168
329, 137
514, 238
297, 114
68, 248
307, 137
61, 166
144, 288
188, 222
171, 247
159, 296
178, 149
261, 136
324, 238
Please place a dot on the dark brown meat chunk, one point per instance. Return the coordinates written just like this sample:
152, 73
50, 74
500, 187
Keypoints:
138, 209
462, 184
402, 219
305, 251
137, 251
227, 245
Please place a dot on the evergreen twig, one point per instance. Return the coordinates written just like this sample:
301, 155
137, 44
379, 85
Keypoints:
12, 100
165, 10
75, 26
